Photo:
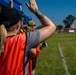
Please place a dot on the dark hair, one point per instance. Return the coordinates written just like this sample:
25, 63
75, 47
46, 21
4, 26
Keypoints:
9, 17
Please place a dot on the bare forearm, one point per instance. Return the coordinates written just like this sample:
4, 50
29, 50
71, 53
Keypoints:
45, 21
48, 26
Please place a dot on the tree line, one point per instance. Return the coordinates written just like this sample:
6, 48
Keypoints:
68, 21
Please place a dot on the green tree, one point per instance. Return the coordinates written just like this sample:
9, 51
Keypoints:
69, 20
59, 27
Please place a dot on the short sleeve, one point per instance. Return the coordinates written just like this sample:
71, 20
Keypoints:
32, 39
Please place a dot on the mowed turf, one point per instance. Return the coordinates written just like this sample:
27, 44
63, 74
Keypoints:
50, 60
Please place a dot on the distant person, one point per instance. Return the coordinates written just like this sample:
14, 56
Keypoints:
33, 59
14, 46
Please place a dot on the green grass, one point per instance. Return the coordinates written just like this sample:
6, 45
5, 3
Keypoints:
50, 62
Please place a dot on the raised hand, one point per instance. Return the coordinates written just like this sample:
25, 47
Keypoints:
32, 5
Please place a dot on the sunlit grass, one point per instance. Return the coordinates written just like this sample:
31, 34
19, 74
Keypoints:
50, 61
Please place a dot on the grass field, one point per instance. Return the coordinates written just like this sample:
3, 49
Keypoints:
50, 60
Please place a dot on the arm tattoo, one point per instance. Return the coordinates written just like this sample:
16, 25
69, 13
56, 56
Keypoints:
38, 14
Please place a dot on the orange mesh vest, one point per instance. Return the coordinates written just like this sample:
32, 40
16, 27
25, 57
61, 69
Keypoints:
37, 52
11, 61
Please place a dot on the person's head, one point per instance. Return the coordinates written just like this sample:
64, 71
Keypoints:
31, 24
9, 18
9, 22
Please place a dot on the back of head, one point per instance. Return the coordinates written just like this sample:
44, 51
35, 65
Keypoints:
8, 18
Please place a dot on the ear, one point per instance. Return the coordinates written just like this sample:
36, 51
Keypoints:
17, 26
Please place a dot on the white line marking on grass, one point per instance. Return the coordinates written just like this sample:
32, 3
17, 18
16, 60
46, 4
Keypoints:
64, 62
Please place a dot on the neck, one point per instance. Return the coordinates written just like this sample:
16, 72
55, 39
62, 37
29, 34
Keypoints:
10, 33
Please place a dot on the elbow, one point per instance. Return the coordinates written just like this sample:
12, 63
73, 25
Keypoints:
33, 52
54, 27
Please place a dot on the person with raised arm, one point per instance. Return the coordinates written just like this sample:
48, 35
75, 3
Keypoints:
15, 46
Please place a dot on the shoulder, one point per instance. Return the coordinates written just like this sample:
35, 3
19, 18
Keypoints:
33, 34
33, 37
